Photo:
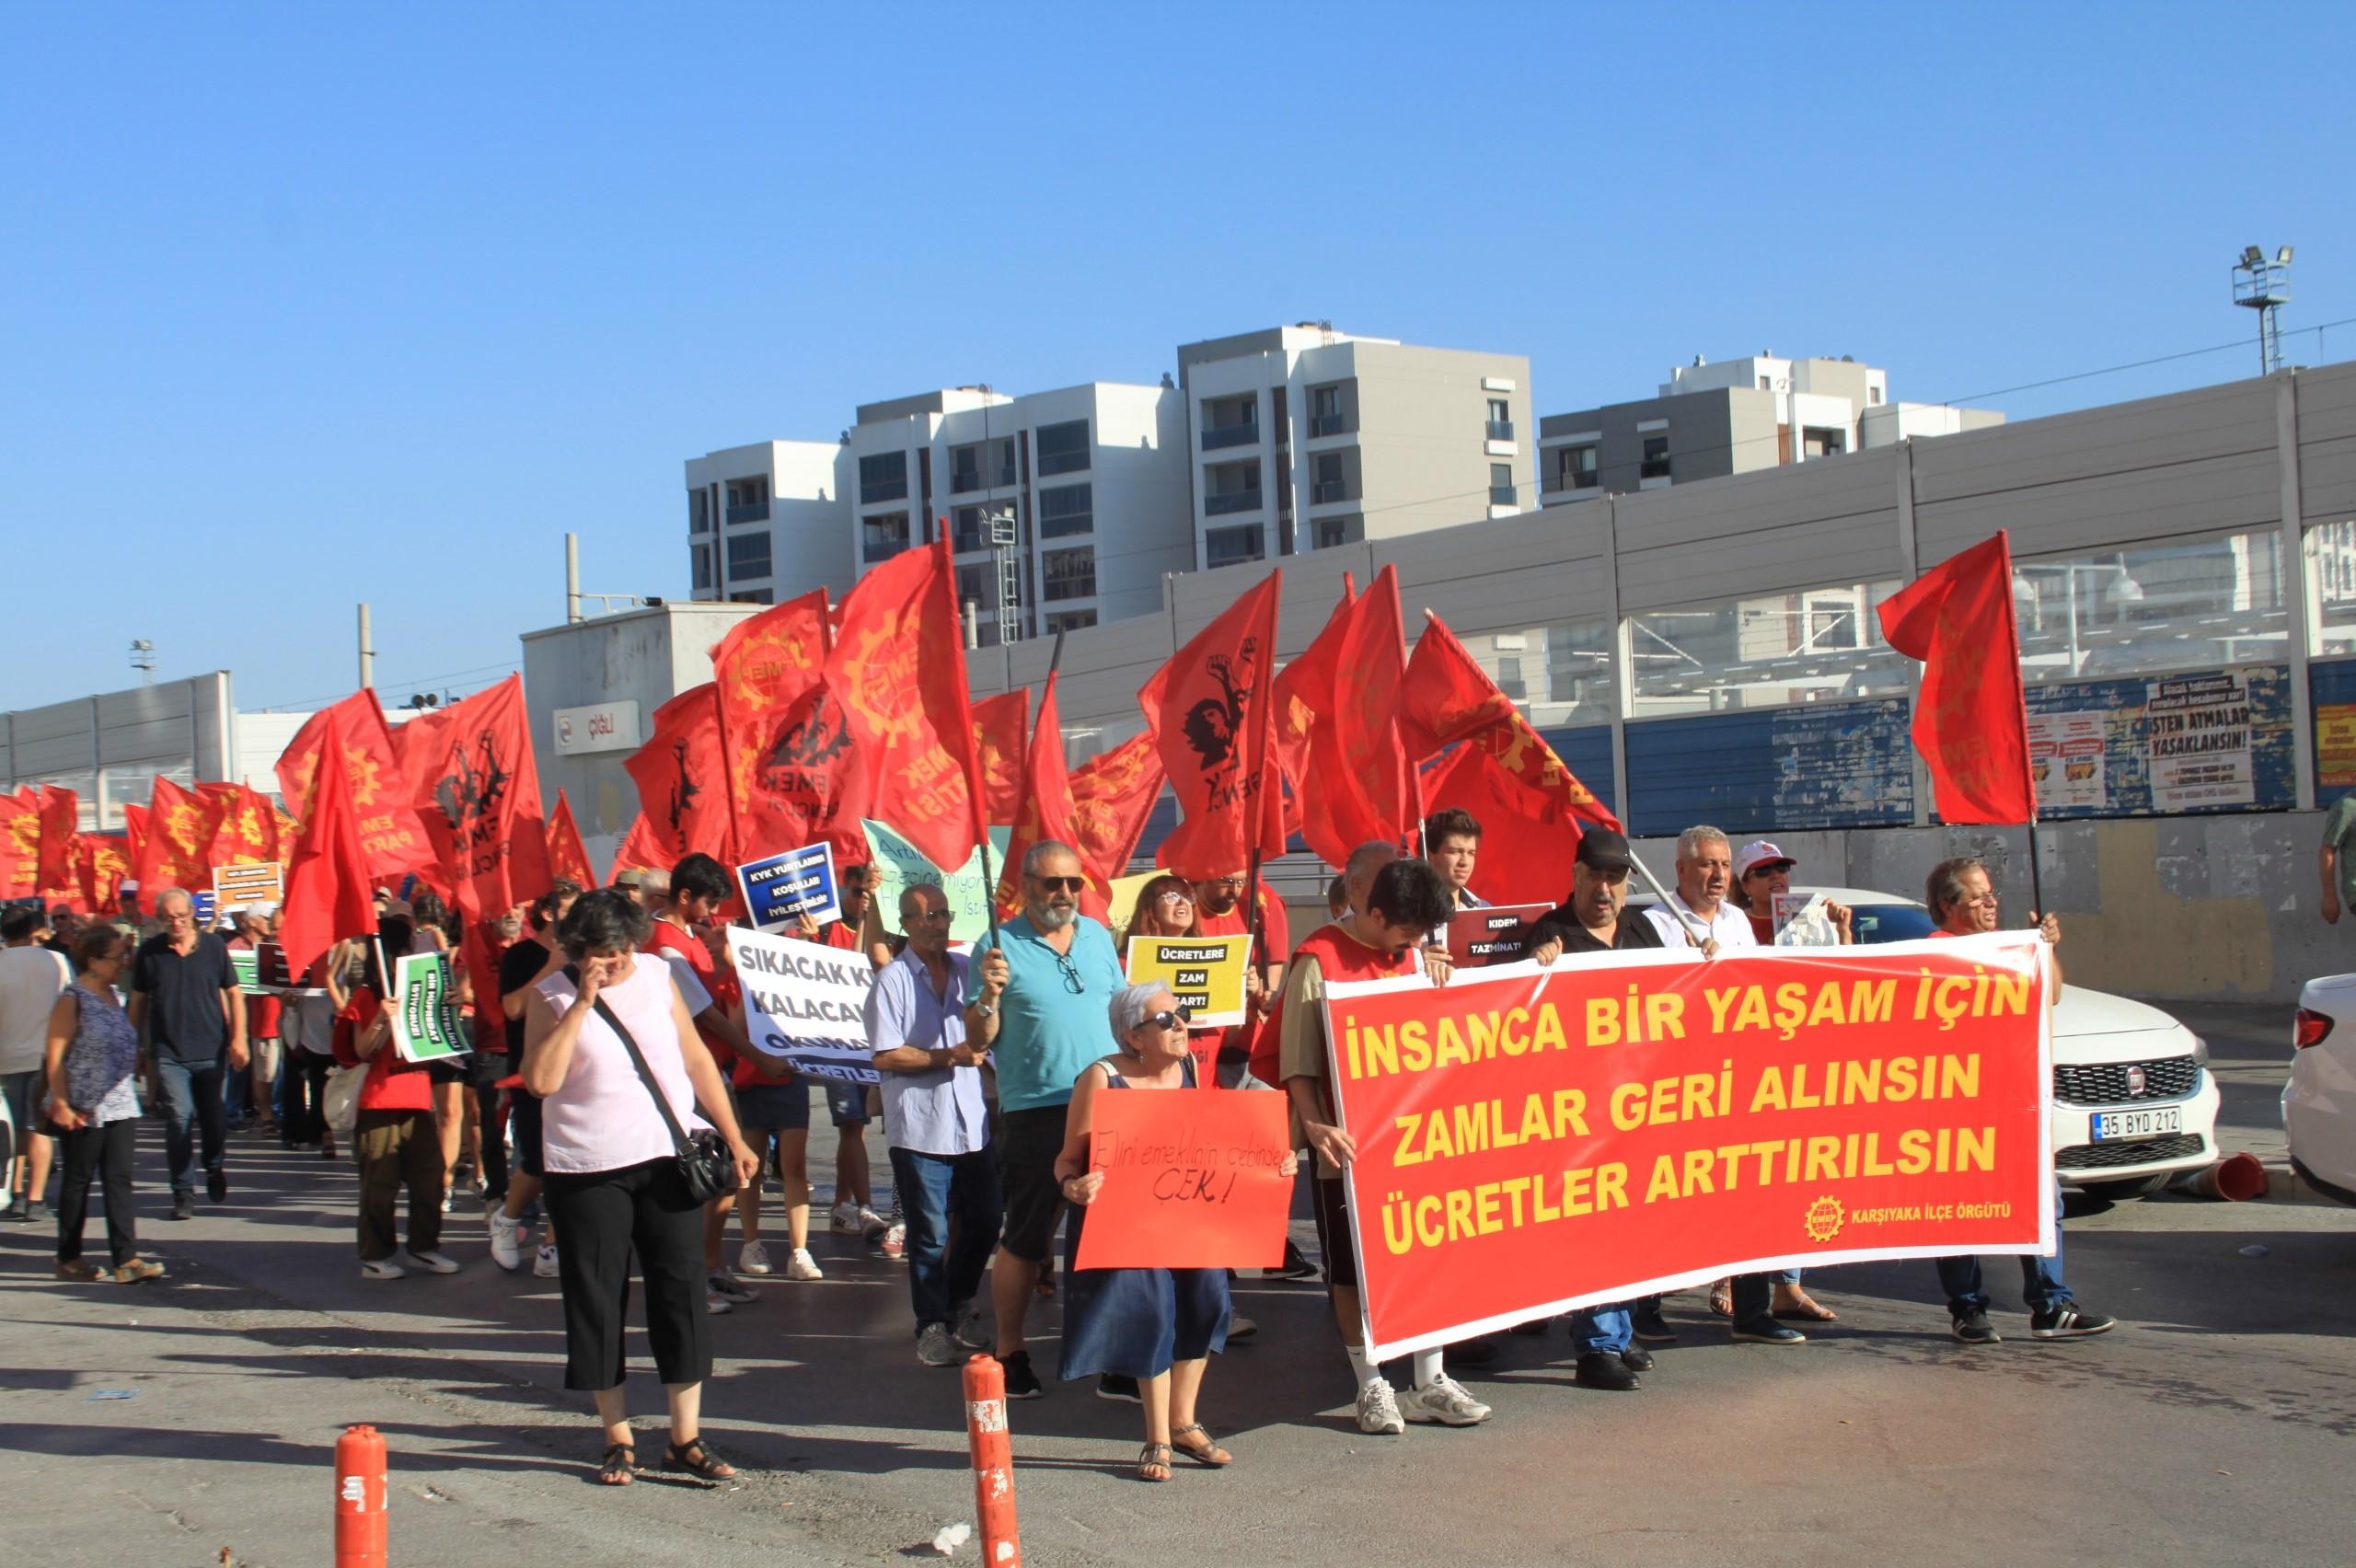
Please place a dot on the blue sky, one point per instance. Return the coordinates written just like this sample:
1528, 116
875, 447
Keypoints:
301, 306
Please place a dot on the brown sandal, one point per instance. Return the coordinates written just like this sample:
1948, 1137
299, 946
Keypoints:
696, 1458
1152, 1458
81, 1271
1211, 1455
619, 1467
1722, 1300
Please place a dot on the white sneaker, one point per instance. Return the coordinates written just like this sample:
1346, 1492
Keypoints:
894, 1243
445, 1200
802, 1266
544, 1261
381, 1268
716, 1303
870, 1223
844, 1220
935, 1348
967, 1328
433, 1262
1379, 1410
1444, 1399
506, 1242
1240, 1327
752, 1258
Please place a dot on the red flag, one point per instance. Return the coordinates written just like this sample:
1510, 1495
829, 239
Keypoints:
472, 780
19, 845
177, 851
640, 851
134, 837
1527, 842
1337, 720
100, 864
1000, 729
568, 857
1972, 718
898, 669
327, 882
763, 668
1447, 697
394, 840
1111, 796
247, 831
682, 782
1211, 710
1046, 814
61, 821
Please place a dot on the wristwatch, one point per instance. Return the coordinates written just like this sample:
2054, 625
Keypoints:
987, 1010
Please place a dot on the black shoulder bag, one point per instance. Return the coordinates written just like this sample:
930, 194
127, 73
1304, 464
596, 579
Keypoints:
705, 1164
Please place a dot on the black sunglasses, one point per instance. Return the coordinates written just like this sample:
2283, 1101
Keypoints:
1062, 884
1174, 1018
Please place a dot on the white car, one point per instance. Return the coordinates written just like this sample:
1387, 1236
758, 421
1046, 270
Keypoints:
2134, 1103
2319, 1103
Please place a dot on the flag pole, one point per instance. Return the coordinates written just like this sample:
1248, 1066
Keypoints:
1692, 929
1266, 721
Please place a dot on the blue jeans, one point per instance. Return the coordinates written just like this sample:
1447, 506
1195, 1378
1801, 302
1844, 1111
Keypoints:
1603, 1329
935, 1190
2041, 1284
191, 1105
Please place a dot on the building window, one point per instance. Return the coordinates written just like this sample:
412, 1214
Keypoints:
1500, 420
1817, 441
883, 476
1823, 644
1766, 384
1509, 677
1327, 482
1575, 468
749, 556
702, 554
1231, 421
882, 537
1578, 672
699, 511
1065, 509
1334, 532
969, 529
1068, 574
1501, 487
1070, 620
1655, 461
1232, 547
1325, 411
1063, 448
1873, 395
2146, 609
748, 500
752, 596
1231, 487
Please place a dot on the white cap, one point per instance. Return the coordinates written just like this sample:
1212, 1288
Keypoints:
1758, 853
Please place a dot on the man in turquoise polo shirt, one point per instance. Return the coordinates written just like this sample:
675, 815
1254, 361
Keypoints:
1047, 977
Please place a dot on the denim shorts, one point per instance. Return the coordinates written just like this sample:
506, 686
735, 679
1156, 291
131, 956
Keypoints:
785, 1107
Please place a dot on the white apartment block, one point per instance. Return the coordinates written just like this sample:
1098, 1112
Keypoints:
1091, 478
1305, 438
770, 522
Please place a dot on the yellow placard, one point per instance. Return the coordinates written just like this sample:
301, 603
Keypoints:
2335, 745
1206, 974
1125, 899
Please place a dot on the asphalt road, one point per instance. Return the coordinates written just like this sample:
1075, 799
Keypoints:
2218, 1426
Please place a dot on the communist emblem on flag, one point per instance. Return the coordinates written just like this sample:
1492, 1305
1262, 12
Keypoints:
181, 823
883, 682
366, 776
1213, 724
24, 833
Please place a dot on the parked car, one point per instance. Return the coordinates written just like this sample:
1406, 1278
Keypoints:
2134, 1102
2319, 1101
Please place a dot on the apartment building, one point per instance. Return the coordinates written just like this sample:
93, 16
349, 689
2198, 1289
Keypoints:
768, 522
1711, 421
1304, 438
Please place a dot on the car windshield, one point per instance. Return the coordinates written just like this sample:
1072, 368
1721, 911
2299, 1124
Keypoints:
1890, 923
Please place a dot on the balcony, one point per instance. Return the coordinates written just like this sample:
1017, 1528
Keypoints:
1326, 491
1500, 430
1233, 500
750, 511
963, 480
1246, 434
870, 495
1325, 424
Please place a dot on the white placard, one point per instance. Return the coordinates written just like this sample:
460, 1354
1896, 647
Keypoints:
805, 1004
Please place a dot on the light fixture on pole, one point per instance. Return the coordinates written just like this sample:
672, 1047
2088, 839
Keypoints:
2265, 286
142, 659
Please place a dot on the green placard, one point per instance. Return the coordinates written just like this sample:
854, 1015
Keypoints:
426, 1025
899, 864
249, 968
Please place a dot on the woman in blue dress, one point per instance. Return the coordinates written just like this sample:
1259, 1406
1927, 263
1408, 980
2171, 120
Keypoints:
1158, 1326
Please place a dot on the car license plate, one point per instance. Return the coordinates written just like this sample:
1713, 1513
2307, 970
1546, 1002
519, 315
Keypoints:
2110, 1127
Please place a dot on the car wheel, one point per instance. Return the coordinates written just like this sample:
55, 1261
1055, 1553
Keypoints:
2125, 1192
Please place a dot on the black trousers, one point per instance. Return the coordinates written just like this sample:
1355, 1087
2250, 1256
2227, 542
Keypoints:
601, 1217
306, 1121
104, 1152
494, 1172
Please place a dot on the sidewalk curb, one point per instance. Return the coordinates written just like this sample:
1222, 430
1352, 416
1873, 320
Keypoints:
2283, 1186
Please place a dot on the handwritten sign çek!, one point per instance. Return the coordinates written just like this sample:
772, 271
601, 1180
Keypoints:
1190, 1181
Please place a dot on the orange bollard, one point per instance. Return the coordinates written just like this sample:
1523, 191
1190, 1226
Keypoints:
360, 1486
993, 1462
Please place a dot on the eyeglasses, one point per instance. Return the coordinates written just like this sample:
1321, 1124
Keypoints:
1072, 981
1233, 884
1175, 1018
1175, 898
1061, 884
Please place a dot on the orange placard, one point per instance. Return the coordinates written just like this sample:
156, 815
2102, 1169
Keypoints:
1646, 1120
1190, 1181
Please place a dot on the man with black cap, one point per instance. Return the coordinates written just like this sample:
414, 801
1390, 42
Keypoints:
1595, 919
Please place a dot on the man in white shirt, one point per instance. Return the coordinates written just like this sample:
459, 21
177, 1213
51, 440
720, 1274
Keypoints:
32, 979
1697, 913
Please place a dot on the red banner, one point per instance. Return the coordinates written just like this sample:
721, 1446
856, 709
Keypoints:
1971, 720
1190, 1181
1647, 1120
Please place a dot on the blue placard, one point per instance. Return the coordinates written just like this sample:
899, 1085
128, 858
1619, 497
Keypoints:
201, 902
781, 889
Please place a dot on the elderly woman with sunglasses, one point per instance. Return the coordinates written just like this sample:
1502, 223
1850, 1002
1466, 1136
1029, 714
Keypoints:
1159, 1326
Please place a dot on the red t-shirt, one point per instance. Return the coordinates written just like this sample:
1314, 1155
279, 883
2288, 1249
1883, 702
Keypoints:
667, 940
1340, 956
391, 1084
1276, 929
841, 936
